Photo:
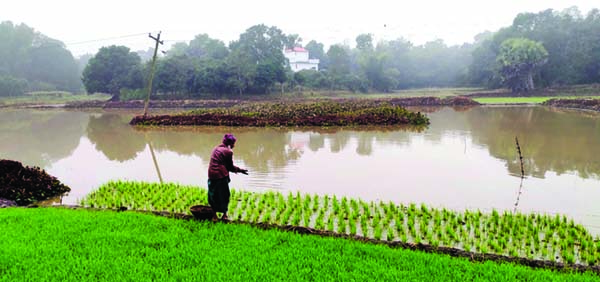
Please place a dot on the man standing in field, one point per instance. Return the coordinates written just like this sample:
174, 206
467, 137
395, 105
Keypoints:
221, 163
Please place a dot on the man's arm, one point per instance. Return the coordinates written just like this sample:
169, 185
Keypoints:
228, 154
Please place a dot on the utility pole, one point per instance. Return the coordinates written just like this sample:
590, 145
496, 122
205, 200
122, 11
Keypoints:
157, 39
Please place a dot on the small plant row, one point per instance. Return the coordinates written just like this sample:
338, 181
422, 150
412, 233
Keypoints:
322, 113
534, 236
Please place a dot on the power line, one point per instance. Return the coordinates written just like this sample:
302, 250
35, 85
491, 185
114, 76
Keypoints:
108, 38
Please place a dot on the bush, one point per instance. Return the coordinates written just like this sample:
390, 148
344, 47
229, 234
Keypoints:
26, 185
133, 94
12, 86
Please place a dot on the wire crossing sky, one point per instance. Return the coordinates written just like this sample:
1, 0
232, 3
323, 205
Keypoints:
87, 25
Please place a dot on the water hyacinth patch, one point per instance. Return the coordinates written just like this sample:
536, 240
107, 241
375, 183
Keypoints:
534, 236
320, 113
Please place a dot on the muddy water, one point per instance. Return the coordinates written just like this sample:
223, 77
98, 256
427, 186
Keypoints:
466, 159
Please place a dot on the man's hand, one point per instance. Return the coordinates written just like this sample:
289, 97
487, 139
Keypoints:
244, 171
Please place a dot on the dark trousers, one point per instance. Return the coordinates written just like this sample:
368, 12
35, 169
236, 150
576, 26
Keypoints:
218, 194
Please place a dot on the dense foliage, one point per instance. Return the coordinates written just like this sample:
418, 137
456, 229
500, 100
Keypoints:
532, 236
75, 245
549, 48
11, 86
519, 59
26, 185
571, 40
44, 63
112, 69
327, 113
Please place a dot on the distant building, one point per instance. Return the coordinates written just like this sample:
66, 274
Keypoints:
299, 59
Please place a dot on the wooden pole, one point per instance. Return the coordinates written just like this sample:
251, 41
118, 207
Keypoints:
155, 162
157, 39
522, 174
520, 157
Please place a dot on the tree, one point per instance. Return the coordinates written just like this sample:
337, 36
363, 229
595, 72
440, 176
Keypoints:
215, 77
519, 58
571, 40
50, 62
11, 86
339, 65
316, 51
291, 41
44, 62
111, 69
339, 59
174, 74
364, 42
257, 60
202, 46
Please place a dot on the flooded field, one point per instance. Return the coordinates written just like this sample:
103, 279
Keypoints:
466, 159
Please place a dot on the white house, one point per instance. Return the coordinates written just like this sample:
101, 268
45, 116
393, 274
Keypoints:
299, 60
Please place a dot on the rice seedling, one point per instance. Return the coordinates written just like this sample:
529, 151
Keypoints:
353, 229
364, 226
315, 201
341, 228
366, 210
377, 232
330, 224
389, 234
534, 236
306, 218
296, 218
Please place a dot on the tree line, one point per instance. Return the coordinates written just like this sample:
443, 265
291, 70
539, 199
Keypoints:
255, 64
549, 48
31, 61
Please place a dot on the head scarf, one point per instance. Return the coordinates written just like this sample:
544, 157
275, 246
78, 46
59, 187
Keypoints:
229, 139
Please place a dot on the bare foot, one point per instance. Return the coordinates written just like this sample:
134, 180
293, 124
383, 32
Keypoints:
224, 217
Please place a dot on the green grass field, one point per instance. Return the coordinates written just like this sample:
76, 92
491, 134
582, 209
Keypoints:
56, 244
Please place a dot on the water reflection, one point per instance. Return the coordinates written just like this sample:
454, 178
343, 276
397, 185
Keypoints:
551, 140
38, 137
112, 135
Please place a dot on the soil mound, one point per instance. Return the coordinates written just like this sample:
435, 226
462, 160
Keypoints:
583, 104
24, 185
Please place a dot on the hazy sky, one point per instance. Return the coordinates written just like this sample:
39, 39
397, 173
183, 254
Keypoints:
327, 21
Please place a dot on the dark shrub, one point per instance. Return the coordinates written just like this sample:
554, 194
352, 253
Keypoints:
26, 185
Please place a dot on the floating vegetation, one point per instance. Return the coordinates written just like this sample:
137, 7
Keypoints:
322, 113
25, 185
534, 236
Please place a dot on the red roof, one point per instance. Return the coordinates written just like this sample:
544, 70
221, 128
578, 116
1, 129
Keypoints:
296, 49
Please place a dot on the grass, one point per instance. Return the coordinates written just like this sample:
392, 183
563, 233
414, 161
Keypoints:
51, 98
500, 233
56, 244
526, 100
